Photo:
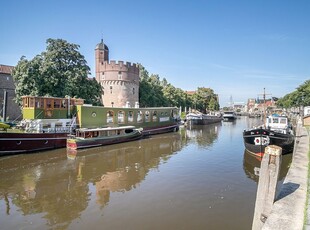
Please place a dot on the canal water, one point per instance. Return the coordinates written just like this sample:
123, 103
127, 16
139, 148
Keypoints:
198, 178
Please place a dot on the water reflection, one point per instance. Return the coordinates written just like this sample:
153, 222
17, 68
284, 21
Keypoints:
192, 179
60, 186
121, 169
203, 135
251, 165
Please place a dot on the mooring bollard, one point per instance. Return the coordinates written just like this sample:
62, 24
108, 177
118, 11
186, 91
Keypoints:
267, 185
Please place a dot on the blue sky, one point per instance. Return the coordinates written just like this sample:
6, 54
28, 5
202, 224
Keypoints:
237, 48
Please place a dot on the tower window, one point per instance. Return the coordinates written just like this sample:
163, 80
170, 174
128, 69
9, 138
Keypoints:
119, 75
133, 90
102, 76
111, 89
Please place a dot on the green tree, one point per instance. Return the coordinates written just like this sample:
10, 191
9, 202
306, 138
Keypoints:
156, 92
299, 97
151, 90
59, 71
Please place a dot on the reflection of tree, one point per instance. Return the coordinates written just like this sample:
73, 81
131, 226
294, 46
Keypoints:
55, 193
43, 183
120, 168
203, 135
58, 187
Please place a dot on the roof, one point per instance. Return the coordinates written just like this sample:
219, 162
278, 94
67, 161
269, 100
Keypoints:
102, 46
190, 92
106, 129
6, 69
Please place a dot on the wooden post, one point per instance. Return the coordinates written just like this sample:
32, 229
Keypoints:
267, 185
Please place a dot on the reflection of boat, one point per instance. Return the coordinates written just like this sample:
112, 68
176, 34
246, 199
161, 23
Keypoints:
252, 164
203, 135
46, 123
202, 119
87, 138
229, 116
277, 131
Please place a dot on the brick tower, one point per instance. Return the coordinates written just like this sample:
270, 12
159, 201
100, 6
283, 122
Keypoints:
119, 80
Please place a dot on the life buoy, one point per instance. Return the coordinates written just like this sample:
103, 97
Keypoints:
257, 140
261, 140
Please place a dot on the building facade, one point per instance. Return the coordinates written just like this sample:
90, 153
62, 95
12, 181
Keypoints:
119, 80
7, 90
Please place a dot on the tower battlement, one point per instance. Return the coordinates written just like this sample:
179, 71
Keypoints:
119, 66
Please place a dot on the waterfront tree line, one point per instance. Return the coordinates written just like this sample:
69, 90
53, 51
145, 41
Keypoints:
62, 71
297, 98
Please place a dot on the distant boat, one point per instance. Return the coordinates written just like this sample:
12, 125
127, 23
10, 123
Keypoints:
87, 138
277, 131
229, 116
202, 119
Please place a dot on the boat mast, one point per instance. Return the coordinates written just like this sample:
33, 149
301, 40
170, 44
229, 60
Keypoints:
264, 108
264, 114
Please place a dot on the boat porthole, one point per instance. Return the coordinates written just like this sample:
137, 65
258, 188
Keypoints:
93, 114
46, 142
18, 142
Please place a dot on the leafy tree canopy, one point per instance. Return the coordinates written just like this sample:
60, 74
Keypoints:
156, 92
59, 71
299, 97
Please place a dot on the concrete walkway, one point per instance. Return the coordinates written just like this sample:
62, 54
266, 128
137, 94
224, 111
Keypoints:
288, 211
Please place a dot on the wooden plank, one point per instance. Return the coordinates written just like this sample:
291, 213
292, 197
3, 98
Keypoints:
267, 185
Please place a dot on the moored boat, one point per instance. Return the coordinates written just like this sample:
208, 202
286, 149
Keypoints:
229, 116
153, 120
276, 131
202, 119
46, 123
87, 138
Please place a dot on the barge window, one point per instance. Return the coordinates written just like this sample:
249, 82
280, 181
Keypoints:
49, 103
110, 115
130, 116
275, 120
25, 102
121, 117
56, 103
155, 116
147, 116
283, 121
64, 103
174, 113
31, 102
39, 103
139, 116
